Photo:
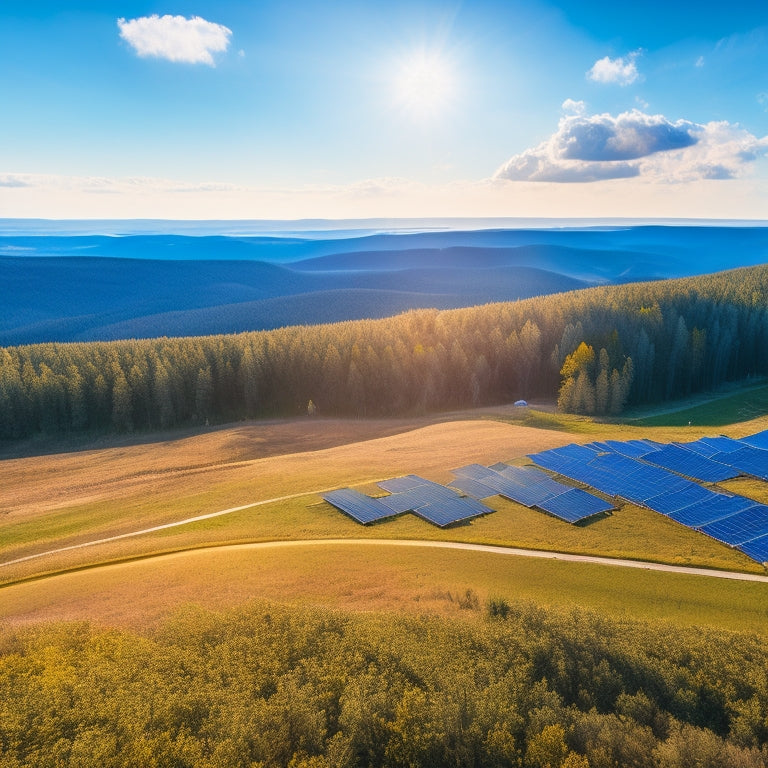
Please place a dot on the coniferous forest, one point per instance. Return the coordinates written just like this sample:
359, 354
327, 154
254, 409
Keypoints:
595, 350
266, 685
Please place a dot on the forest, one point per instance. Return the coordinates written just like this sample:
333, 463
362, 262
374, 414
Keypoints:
268, 685
596, 350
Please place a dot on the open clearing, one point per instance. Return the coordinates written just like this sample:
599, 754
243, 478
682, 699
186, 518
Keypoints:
63, 500
368, 576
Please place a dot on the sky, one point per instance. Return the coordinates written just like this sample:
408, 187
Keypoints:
239, 109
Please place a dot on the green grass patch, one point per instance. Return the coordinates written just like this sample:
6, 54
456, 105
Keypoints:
745, 405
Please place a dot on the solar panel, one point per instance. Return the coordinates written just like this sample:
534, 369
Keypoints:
574, 505
554, 461
451, 511
529, 477
400, 484
744, 526
717, 507
748, 460
574, 451
722, 444
473, 471
759, 440
399, 502
757, 549
703, 449
633, 449
599, 447
362, 508
667, 502
691, 464
473, 488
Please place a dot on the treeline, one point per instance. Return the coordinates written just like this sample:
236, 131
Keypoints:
273, 687
642, 343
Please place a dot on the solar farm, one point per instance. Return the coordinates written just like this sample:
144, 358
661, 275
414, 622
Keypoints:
575, 483
669, 479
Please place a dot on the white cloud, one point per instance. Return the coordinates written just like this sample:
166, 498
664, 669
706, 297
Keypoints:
762, 99
700, 61
621, 71
631, 144
574, 107
175, 38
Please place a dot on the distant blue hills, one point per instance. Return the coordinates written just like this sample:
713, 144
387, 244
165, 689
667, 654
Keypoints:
58, 287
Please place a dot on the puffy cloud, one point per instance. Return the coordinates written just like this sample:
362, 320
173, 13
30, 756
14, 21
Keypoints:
600, 147
574, 107
175, 38
621, 71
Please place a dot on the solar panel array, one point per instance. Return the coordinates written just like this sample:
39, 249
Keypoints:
530, 487
435, 503
658, 476
358, 506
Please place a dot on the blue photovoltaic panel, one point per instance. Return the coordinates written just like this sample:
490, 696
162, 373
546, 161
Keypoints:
667, 503
748, 460
499, 466
717, 507
722, 444
634, 449
398, 502
451, 511
574, 451
529, 477
400, 484
419, 497
744, 526
690, 464
702, 449
616, 462
760, 440
757, 549
599, 447
574, 505
358, 506
554, 461
473, 488
473, 471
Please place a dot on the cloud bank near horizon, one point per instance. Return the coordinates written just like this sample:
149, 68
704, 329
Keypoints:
175, 38
590, 148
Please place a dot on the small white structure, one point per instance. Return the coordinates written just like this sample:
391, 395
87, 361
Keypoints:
521, 403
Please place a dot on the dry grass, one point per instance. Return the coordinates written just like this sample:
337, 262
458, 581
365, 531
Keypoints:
64, 500
358, 576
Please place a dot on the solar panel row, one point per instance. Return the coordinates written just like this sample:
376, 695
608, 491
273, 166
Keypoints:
358, 506
650, 474
530, 487
747, 460
433, 502
691, 464
758, 440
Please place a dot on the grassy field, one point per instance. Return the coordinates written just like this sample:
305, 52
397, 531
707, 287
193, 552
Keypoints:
61, 500
726, 409
360, 576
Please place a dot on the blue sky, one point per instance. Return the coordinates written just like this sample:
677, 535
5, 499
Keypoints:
320, 109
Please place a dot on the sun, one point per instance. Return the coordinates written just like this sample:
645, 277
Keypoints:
424, 84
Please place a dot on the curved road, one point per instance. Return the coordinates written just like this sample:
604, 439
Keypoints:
513, 551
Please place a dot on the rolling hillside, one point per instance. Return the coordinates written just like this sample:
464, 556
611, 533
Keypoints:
101, 287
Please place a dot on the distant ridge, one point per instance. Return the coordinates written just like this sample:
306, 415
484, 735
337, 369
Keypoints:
61, 287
